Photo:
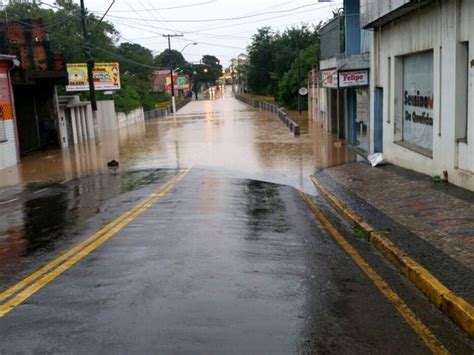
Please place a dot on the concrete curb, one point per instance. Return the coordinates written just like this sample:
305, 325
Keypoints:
162, 112
292, 125
456, 308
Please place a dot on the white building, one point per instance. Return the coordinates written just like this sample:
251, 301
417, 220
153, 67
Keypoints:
422, 85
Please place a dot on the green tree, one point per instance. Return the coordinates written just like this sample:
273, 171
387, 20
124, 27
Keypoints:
164, 58
64, 29
260, 54
127, 98
289, 85
270, 55
286, 46
214, 68
139, 60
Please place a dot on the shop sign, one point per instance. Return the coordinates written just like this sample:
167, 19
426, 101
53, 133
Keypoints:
329, 78
418, 99
353, 78
181, 82
106, 77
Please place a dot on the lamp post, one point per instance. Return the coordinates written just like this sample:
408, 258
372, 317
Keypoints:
189, 44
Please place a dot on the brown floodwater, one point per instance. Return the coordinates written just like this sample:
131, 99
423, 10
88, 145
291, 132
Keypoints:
218, 133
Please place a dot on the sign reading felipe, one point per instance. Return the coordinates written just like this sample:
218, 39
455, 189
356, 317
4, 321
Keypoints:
106, 77
353, 78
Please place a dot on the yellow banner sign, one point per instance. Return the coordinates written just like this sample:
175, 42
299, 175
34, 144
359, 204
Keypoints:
106, 77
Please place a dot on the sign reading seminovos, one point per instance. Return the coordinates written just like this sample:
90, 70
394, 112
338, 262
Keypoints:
418, 99
106, 77
353, 78
329, 78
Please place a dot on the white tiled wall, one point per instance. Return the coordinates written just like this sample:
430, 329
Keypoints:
8, 149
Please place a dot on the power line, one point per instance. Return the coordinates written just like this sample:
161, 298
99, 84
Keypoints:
173, 29
195, 31
167, 8
78, 42
286, 11
241, 23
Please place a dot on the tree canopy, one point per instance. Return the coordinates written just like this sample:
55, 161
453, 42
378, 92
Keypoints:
165, 58
139, 60
272, 61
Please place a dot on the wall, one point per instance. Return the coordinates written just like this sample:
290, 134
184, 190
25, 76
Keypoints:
106, 115
440, 27
372, 10
131, 118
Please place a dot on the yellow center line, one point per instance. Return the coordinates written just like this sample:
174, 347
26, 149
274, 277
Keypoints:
50, 271
428, 338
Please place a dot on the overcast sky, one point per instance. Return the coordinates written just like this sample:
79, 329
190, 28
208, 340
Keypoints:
144, 22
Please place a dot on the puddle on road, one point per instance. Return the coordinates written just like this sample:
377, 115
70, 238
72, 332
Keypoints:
50, 215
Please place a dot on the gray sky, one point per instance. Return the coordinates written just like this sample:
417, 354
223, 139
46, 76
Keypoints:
144, 22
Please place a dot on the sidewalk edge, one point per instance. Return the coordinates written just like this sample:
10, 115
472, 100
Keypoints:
456, 308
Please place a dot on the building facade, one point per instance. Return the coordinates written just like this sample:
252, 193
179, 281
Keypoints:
339, 87
422, 112
9, 152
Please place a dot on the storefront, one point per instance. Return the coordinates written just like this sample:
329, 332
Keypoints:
355, 83
9, 151
425, 85
418, 101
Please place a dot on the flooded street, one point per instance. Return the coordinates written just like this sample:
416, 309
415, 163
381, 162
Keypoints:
222, 134
200, 242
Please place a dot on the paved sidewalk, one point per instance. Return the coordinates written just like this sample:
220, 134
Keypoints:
433, 222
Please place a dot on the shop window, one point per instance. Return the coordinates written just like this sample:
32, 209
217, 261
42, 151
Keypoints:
417, 100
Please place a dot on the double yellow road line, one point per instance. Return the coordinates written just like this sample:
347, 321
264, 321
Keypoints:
428, 338
21, 291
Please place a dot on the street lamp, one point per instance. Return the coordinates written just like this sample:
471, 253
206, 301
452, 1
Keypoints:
189, 44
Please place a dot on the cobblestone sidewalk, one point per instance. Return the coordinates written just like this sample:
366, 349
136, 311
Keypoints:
402, 201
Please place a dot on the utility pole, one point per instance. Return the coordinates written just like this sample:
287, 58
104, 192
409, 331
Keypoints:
90, 68
232, 76
173, 99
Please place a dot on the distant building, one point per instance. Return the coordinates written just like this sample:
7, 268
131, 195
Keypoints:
34, 115
422, 82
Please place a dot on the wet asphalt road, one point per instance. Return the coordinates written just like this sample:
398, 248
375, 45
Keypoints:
220, 264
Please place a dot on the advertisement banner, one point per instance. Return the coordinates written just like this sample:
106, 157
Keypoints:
329, 78
181, 82
158, 80
353, 78
418, 99
106, 77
